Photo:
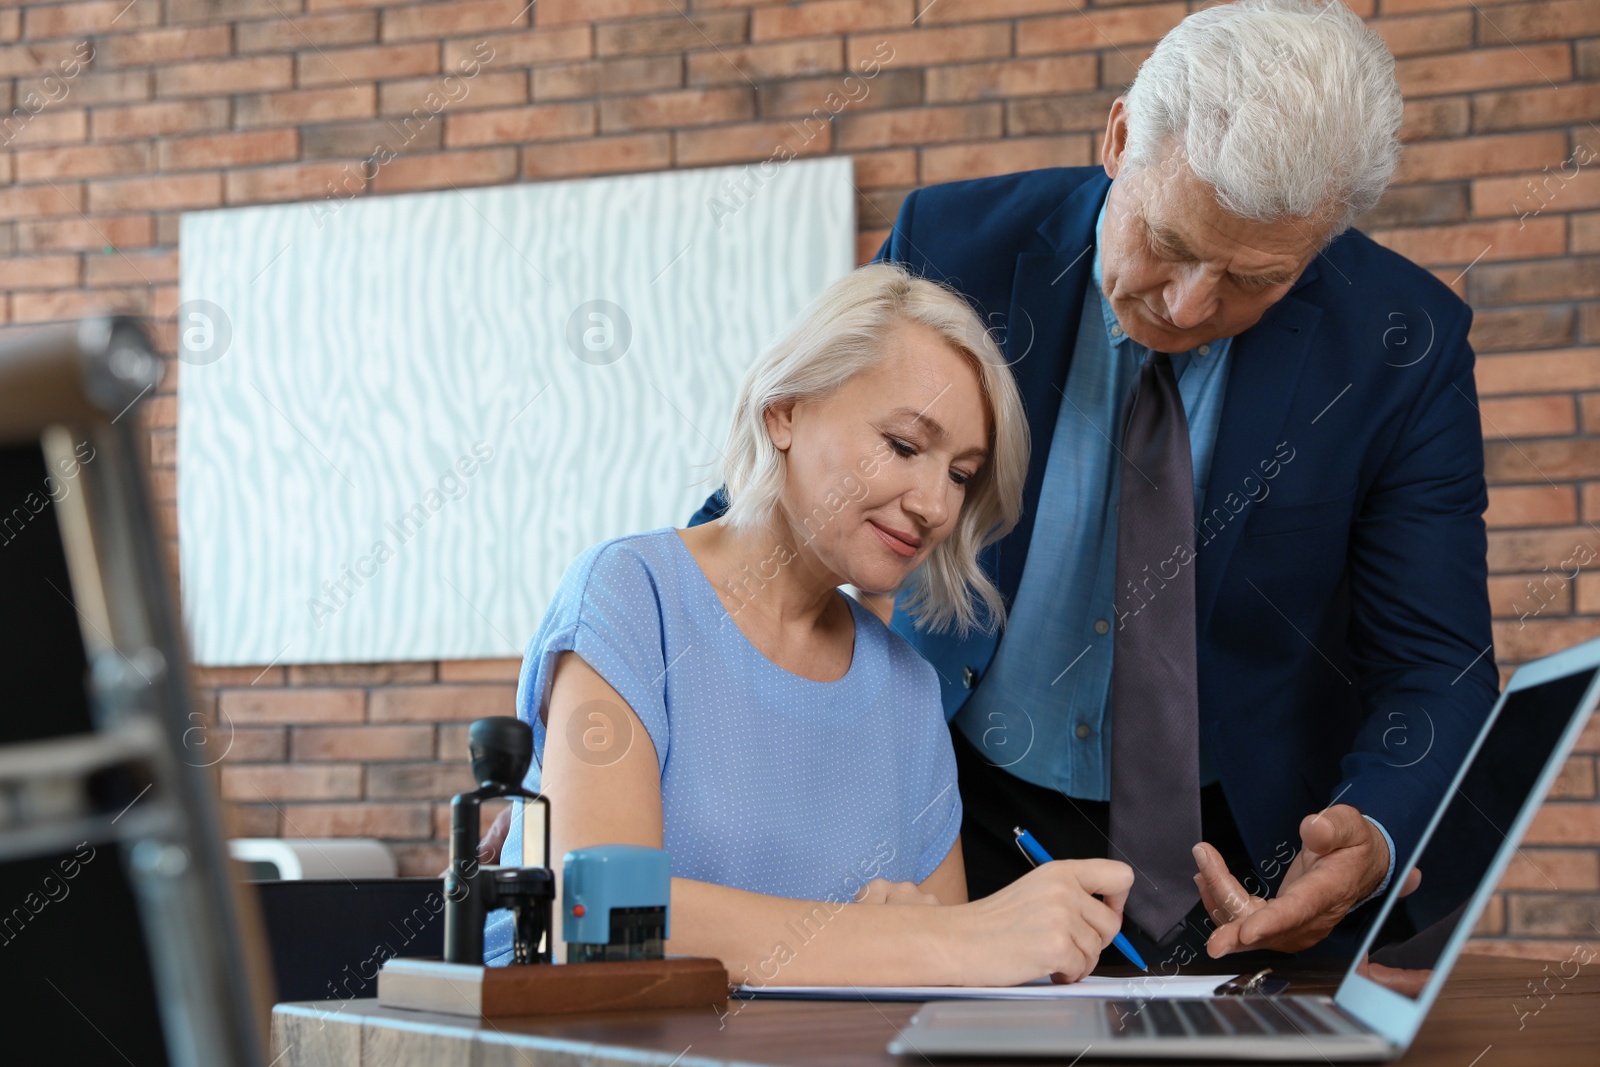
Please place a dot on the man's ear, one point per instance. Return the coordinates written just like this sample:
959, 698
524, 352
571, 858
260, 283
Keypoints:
1115, 142
779, 418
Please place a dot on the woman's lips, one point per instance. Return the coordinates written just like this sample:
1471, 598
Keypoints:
897, 546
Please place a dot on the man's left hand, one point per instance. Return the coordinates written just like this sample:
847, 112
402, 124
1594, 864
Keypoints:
1342, 859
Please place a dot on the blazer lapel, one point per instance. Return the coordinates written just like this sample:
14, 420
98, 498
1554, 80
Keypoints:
1047, 292
1266, 361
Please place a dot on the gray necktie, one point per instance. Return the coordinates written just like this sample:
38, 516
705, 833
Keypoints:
1155, 729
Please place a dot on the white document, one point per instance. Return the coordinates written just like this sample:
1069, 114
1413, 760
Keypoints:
1148, 987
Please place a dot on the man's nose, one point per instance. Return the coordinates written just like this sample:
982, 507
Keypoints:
1191, 298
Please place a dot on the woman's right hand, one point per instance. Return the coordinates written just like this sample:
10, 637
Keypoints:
1046, 922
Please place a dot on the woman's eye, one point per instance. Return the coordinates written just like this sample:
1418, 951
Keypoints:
961, 478
900, 447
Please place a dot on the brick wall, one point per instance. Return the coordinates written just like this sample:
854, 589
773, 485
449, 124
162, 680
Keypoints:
191, 104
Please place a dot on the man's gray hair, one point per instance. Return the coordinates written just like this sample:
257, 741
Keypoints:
1288, 108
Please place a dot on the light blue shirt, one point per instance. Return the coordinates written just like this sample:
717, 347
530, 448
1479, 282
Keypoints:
770, 782
1042, 710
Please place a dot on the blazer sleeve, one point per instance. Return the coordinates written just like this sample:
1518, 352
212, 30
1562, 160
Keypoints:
1420, 634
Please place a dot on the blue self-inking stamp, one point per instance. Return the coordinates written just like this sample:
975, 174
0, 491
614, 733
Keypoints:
614, 903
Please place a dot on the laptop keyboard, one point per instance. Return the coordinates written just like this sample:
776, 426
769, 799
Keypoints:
1220, 1017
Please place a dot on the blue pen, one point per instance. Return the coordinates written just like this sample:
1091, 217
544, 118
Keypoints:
1037, 855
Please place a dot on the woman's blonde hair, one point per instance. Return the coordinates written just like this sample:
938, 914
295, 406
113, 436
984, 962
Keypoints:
839, 335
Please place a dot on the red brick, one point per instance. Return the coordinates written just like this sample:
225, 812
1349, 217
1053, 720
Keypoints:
1531, 505
462, 16
153, 120
40, 272
300, 106
106, 87
919, 126
1586, 233
221, 76
1558, 370
925, 47
1590, 405
360, 673
686, 107
867, 244
1560, 187
441, 702
673, 33
421, 860
1518, 643
1524, 596
1483, 68
385, 821
480, 670
1535, 107
605, 76
163, 443
786, 21
208, 10
752, 141
280, 34
405, 781
1553, 870
252, 820
363, 743
228, 150
297, 181
764, 62
132, 268
233, 677
167, 191
892, 169
1471, 157
1546, 281
948, 163
62, 305
98, 16
487, 166
161, 46
1548, 20
555, 12
1103, 29
1477, 241
59, 126
1434, 117
245, 782
978, 10
439, 95
1587, 597
256, 705
511, 125
1012, 77
1426, 33
91, 161
1565, 824
22, 202
598, 155
1527, 416
1545, 460
524, 49
1539, 550
341, 66
241, 744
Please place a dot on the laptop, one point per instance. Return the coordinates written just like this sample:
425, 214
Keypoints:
1377, 1010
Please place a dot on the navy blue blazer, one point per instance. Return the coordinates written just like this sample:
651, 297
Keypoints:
1343, 622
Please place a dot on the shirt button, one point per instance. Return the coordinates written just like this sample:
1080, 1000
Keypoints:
1205, 350
1116, 331
1101, 626
1082, 730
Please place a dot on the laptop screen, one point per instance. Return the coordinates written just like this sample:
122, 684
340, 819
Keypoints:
1476, 822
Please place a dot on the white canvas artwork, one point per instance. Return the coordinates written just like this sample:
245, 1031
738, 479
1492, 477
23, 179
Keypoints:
400, 418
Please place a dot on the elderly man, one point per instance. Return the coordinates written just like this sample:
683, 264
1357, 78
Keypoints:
1248, 622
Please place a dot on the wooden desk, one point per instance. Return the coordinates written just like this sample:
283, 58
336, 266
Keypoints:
1474, 1024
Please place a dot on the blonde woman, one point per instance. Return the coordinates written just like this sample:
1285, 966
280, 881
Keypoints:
785, 747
